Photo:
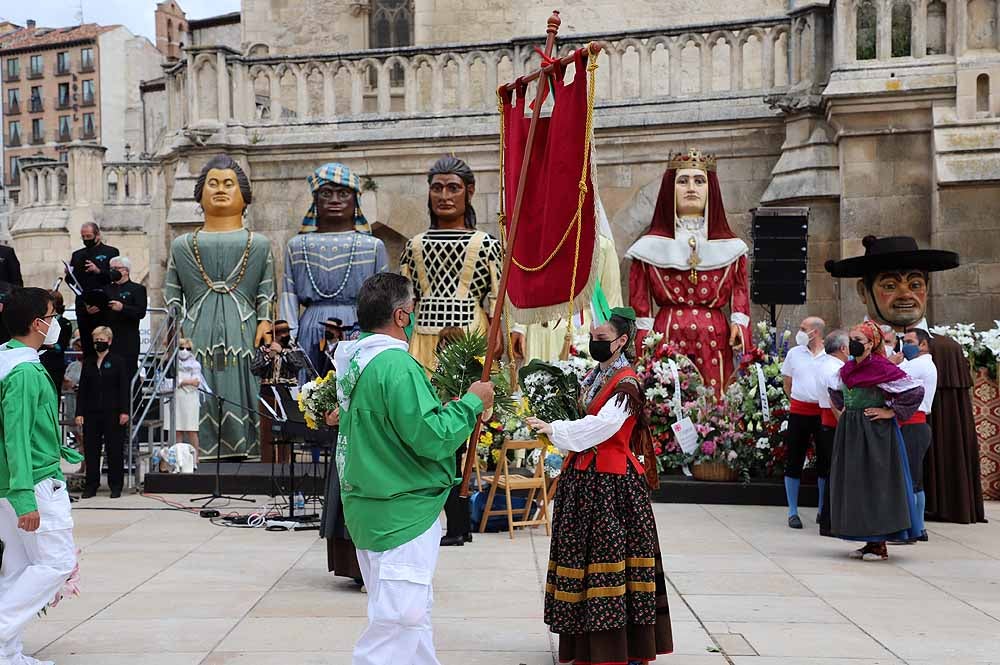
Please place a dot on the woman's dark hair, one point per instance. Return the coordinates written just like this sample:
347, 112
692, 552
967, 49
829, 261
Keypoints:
380, 296
451, 165
626, 327
22, 306
224, 162
57, 302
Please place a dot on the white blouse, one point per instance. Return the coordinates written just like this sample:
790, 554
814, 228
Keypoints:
579, 435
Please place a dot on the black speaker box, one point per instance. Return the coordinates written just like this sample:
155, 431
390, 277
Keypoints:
780, 256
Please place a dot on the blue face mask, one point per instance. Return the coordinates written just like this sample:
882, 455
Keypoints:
911, 351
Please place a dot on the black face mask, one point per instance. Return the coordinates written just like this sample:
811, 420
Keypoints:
600, 350
329, 335
101, 347
856, 349
89, 242
115, 275
285, 341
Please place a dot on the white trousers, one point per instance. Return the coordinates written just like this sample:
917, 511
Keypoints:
399, 603
35, 565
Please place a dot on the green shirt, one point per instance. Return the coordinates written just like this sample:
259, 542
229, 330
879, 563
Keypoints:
396, 451
30, 438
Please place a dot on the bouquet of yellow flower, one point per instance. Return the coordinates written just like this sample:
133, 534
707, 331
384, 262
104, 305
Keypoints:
317, 398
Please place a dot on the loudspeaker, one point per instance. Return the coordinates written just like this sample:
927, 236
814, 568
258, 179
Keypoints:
780, 252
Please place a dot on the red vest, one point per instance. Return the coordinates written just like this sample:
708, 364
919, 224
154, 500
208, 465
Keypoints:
615, 454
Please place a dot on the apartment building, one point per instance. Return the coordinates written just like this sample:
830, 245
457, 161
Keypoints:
77, 83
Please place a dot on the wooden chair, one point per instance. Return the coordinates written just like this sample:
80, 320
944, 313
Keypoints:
536, 484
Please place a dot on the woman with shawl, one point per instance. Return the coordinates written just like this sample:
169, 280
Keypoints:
605, 594
871, 492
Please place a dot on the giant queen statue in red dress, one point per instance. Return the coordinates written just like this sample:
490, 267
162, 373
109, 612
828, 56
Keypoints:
691, 267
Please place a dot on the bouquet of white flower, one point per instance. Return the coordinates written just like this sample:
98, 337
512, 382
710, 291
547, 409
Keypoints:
317, 398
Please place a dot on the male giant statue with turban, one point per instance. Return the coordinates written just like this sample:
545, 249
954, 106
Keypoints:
326, 264
893, 281
691, 265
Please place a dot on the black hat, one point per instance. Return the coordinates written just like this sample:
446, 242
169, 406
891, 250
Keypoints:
892, 253
333, 323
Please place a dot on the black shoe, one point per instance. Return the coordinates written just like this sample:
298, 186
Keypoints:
88, 494
467, 537
922, 537
116, 494
794, 522
452, 541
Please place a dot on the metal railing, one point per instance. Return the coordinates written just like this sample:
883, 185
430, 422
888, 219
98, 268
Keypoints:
149, 386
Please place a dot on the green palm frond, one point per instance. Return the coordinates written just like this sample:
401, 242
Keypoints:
460, 364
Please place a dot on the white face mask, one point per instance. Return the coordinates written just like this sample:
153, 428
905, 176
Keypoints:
184, 354
802, 338
52, 336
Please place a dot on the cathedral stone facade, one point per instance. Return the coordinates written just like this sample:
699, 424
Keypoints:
881, 116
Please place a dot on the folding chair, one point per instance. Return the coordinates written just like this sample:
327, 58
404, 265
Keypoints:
503, 479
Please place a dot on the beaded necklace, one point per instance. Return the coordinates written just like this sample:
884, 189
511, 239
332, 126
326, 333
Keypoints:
347, 274
208, 279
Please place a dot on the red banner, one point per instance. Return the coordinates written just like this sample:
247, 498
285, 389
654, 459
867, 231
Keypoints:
557, 230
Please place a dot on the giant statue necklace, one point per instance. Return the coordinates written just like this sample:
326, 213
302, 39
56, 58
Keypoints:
214, 286
692, 226
347, 274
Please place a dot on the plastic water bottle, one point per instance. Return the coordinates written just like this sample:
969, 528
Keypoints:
172, 457
155, 462
300, 501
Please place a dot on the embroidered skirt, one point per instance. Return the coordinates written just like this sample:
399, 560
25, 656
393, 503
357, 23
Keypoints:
605, 595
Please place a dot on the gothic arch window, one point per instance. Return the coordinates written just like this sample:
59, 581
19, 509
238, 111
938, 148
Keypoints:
937, 28
866, 22
390, 25
983, 93
902, 29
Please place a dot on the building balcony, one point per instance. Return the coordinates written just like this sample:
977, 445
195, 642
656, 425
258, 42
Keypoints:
63, 71
65, 136
13, 141
88, 133
11, 77
36, 106
36, 74
64, 102
86, 67
88, 101
11, 109
37, 139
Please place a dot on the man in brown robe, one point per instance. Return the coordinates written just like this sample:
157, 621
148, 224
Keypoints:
893, 282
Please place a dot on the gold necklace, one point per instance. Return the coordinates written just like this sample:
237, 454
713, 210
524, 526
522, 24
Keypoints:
208, 279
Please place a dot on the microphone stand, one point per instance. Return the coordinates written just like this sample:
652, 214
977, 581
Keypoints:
217, 491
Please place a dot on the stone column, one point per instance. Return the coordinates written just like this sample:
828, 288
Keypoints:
194, 114
222, 87
329, 93
302, 92
883, 45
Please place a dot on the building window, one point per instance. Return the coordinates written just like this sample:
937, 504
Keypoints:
983, 93
88, 126
390, 25
13, 101
64, 128
62, 62
88, 92
867, 30
63, 98
13, 69
15, 171
14, 133
36, 99
35, 69
87, 59
902, 29
37, 131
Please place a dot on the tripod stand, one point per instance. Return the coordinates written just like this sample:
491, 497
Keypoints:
217, 490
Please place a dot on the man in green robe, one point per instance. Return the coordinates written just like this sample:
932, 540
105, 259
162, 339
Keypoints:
222, 276
396, 460
36, 527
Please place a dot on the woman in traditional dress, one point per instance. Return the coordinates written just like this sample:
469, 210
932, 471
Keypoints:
871, 492
605, 595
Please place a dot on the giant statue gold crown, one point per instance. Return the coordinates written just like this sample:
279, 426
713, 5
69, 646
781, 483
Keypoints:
692, 159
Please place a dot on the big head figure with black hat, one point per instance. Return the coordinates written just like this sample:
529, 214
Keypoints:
893, 281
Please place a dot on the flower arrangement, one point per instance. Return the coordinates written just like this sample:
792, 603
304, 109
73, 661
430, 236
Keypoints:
460, 364
317, 398
982, 348
721, 437
658, 383
551, 393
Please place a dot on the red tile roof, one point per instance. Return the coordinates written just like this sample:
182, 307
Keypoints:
40, 37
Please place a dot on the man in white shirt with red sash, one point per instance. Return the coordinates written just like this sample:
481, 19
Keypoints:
916, 431
800, 370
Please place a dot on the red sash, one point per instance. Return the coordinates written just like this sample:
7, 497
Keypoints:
804, 408
826, 418
615, 454
918, 418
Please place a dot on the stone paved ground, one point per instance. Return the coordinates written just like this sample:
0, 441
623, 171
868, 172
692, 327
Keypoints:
169, 588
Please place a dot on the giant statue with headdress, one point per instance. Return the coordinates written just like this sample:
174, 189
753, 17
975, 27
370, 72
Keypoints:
329, 260
892, 279
222, 278
689, 268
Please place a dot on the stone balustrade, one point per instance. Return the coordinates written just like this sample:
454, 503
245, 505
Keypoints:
45, 183
218, 85
129, 183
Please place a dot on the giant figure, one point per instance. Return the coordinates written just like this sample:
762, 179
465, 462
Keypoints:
222, 275
691, 265
893, 281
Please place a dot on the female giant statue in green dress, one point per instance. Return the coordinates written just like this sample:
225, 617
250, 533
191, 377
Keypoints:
222, 277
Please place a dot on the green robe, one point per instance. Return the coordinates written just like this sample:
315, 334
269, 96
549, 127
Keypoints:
222, 327
30, 437
396, 450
